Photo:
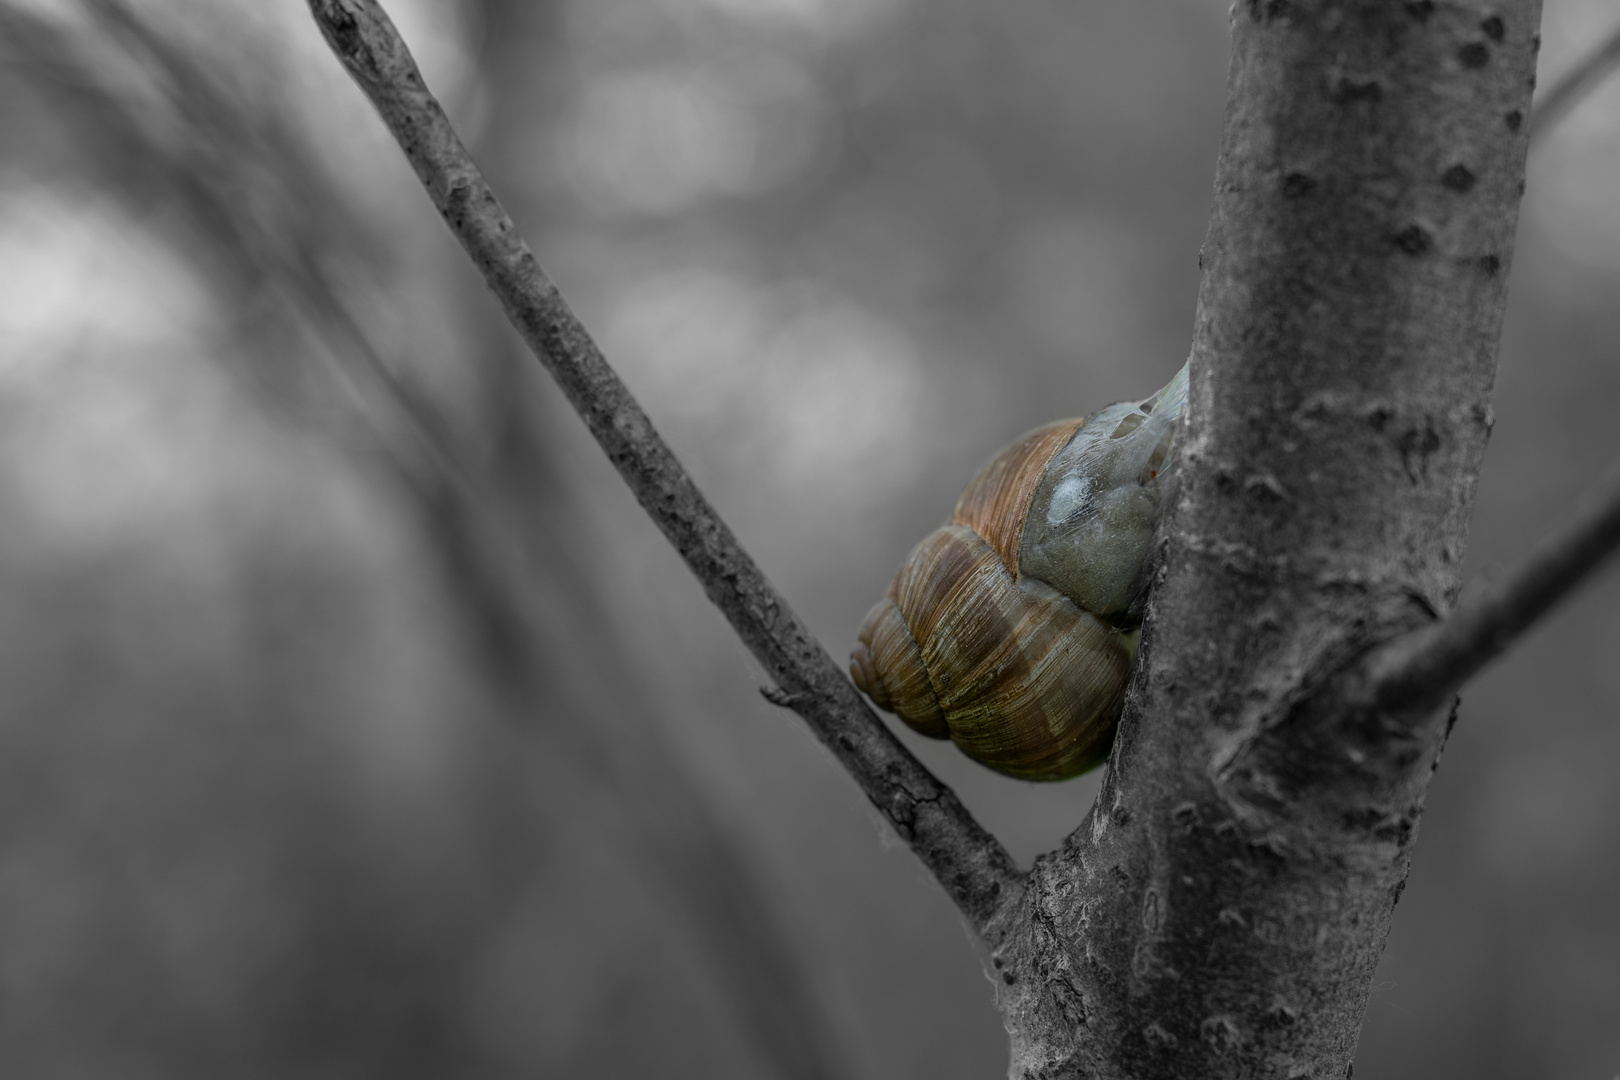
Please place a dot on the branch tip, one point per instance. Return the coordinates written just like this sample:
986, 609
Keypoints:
777, 696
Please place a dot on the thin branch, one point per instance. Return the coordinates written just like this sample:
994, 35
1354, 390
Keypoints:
1418, 672
1580, 80
971, 865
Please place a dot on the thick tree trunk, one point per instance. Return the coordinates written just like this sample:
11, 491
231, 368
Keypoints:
1222, 910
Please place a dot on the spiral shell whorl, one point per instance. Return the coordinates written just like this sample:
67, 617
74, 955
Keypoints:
996, 501
1018, 676
887, 666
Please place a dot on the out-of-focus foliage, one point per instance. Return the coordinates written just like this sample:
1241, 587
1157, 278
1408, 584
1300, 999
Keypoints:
354, 722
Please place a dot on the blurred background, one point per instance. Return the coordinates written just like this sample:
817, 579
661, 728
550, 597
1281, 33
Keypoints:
353, 720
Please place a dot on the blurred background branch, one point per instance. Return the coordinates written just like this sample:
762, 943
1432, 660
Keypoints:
1579, 81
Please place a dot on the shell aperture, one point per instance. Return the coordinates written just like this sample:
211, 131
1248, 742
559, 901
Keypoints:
1091, 520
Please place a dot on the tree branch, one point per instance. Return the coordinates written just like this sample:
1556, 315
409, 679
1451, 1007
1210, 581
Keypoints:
1573, 85
1418, 672
971, 865
1228, 900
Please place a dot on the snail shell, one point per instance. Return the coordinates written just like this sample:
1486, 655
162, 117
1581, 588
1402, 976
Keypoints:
1011, 629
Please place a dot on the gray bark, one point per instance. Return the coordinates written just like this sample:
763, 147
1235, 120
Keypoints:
1223, 908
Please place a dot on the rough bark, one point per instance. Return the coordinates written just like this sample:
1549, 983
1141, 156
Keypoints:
1223, 908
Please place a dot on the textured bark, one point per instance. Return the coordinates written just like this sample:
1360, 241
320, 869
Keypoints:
1222, 910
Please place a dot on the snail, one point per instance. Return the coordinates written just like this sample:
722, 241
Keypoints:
1011, 630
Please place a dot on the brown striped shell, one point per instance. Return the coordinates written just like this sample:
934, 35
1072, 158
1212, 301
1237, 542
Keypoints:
969, 644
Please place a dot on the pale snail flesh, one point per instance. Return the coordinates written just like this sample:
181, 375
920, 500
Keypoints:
1012, 629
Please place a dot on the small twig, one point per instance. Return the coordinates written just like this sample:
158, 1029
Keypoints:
778, 697
971, 865
1580, 80
1418, 672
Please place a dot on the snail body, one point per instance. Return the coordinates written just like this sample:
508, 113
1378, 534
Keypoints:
1010, 630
